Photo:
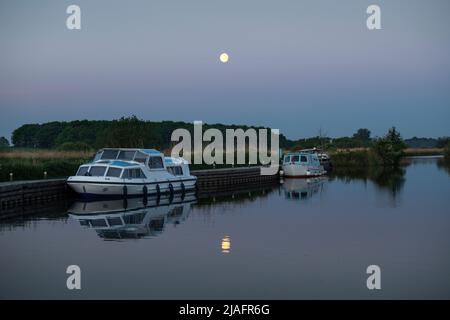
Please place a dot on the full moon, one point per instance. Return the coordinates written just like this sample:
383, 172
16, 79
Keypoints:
224, 57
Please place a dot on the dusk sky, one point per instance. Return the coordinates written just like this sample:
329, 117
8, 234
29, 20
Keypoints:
294, 65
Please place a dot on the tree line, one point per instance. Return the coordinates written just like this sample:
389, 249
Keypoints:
136, 133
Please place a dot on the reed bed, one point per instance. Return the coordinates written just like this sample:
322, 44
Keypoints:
45, 154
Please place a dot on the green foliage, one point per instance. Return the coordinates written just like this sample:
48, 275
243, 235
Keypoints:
124, 132
447, 152
4, 143
74, 146
443, 142
31, 169
350, 159
389, 149
362, 135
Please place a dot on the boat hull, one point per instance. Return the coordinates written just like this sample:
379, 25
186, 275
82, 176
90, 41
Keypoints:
89, 189
301, 171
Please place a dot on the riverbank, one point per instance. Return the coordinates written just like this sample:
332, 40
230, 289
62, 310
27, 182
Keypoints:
29, 164
357, 158
16, 195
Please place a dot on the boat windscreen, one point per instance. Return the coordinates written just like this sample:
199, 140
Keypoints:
126, 155
97, 171
110, 154
155, 163
98, 156
82, 171
140, 157
114, 172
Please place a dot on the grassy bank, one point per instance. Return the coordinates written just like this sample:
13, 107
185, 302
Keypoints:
32, 169
31, 164
365, 157
411, 152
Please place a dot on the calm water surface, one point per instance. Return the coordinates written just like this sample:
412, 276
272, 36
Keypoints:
305, 239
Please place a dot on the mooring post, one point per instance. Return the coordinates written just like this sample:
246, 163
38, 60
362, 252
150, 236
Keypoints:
11, 176
145, 192
125, 192
45, 174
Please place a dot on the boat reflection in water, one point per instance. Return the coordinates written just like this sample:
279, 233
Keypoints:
131, 219
303, 188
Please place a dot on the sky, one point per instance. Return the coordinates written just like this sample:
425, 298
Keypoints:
295, 65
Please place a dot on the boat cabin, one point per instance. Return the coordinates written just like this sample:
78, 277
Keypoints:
177, 166
302, 158
152, 158
112, 169
127, 164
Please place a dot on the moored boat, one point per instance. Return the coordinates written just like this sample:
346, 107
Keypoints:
304, 163
124, 172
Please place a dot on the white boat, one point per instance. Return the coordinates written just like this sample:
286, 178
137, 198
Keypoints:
131, 219
132, 172
302, 189
304, 163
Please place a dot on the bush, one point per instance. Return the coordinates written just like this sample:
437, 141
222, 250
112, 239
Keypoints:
350, 159
447, 153
33, 169
388, 150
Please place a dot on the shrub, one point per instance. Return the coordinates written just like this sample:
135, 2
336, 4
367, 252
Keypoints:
388, 150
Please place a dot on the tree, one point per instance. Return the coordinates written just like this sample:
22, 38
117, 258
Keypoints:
4, 143
389, 149
128, 133
362, 134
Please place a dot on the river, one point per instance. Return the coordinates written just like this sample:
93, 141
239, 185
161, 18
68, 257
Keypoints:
302, 239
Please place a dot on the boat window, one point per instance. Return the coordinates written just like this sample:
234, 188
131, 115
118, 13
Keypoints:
109, 154
114, 172
136, 218
114, 221
156, 224
126, 155
97, 171
155, 163
98, 223
98, 156
82, 171
287, 159
303, 159
294, 159
140, 157
133, 174
175, 170
139, 174
84, 223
